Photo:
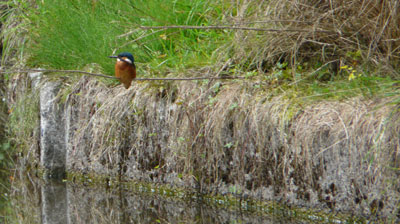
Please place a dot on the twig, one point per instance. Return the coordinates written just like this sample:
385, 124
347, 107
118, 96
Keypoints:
275, 21
188, 79
141, 37
231, 28
137, 39
55, 70
113, 77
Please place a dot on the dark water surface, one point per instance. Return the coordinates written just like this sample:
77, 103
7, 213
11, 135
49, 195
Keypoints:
37, 201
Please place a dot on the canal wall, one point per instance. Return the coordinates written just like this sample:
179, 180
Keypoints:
222, 137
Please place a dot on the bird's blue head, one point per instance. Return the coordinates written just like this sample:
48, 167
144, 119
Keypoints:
127, 55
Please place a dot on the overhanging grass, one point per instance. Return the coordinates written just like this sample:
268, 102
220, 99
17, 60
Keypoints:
70, 34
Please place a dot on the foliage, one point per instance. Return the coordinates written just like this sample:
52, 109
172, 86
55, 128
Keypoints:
70, 34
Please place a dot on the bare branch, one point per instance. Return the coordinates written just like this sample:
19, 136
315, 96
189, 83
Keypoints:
231, 28
113, 77
56, 70
137, 39
188, 79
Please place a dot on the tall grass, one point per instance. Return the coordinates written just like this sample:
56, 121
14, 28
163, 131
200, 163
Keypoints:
69, 34
365, 32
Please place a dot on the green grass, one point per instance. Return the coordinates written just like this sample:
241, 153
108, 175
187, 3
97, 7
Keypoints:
368, 87
72, 34
69, 34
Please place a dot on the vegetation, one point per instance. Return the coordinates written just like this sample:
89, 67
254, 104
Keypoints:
71, 34
314, 47
240, 135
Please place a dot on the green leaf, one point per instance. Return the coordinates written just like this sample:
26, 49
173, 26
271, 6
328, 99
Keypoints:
216, 87
233, 106
228, 145
6, 146
181, 139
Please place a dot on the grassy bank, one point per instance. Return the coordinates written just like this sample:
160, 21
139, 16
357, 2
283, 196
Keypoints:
317, 51
313, 94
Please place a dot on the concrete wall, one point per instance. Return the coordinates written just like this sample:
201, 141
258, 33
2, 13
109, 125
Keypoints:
337, 156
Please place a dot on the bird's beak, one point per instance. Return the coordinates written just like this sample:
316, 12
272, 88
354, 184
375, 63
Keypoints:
113, 56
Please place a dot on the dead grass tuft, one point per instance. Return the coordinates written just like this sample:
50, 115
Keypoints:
361, 32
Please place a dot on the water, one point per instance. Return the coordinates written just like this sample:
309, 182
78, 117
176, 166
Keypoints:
36, 201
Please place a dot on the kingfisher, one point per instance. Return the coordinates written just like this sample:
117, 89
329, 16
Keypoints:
125, 68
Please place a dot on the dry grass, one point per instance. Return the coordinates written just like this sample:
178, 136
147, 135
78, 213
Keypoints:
22, 127
231, 137
370, 27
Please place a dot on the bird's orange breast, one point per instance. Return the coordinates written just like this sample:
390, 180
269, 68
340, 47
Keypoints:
125, 72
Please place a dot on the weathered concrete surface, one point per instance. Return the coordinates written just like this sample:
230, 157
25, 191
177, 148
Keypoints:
333, 156
52, 131
35, 79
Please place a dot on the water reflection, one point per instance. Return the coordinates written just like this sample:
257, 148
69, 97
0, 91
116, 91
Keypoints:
54, 203
51, 202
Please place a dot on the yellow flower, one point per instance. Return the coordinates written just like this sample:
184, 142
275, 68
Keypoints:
351, 76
